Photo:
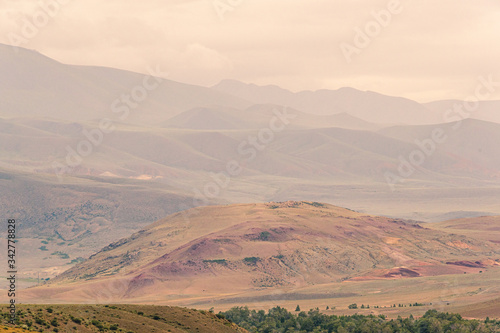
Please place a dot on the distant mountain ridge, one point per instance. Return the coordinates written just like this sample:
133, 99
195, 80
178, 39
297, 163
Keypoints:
369, 106
36, 86
173, 150
39, 86
366, 105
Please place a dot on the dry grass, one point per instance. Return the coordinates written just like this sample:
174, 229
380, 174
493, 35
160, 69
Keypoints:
124, 318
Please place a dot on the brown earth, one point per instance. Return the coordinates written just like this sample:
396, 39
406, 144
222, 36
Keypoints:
222, 254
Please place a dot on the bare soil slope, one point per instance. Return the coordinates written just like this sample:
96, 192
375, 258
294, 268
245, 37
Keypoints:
253, 247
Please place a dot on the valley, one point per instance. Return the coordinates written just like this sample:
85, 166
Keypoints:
133, 210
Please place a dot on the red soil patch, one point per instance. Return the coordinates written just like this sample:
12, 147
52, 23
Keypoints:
466, 263
401, 272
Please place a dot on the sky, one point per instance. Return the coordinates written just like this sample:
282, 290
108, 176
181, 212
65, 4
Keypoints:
424, 50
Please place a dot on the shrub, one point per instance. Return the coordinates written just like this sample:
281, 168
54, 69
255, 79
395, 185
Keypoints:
251, 260
216, 261
264, 236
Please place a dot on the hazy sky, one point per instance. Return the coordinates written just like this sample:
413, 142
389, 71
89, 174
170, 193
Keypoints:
425, 50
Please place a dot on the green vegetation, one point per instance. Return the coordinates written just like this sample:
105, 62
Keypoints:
113, 318
43, 248
77, 260
216, 261
251, 260
60, 254
145, 318
264, 236
278, 320
75, 320
315, 204
222, 240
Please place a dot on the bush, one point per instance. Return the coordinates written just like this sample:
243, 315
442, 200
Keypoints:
251, 260
98, 324
264, 236
216, 261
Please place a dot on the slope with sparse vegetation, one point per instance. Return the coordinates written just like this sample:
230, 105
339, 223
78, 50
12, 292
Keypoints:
116, 318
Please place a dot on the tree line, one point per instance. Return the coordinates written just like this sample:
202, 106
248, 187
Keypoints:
280, 320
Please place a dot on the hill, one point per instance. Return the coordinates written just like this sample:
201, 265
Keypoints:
120, 318
484, 110
264, 247
60, 223
306, 152
257, 116
473, 154
486, 228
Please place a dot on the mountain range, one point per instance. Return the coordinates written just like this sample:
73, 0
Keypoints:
89, 155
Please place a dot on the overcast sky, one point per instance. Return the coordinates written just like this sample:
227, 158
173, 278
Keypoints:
428, 50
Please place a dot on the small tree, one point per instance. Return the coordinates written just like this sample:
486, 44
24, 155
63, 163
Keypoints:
264, 236
297, 308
